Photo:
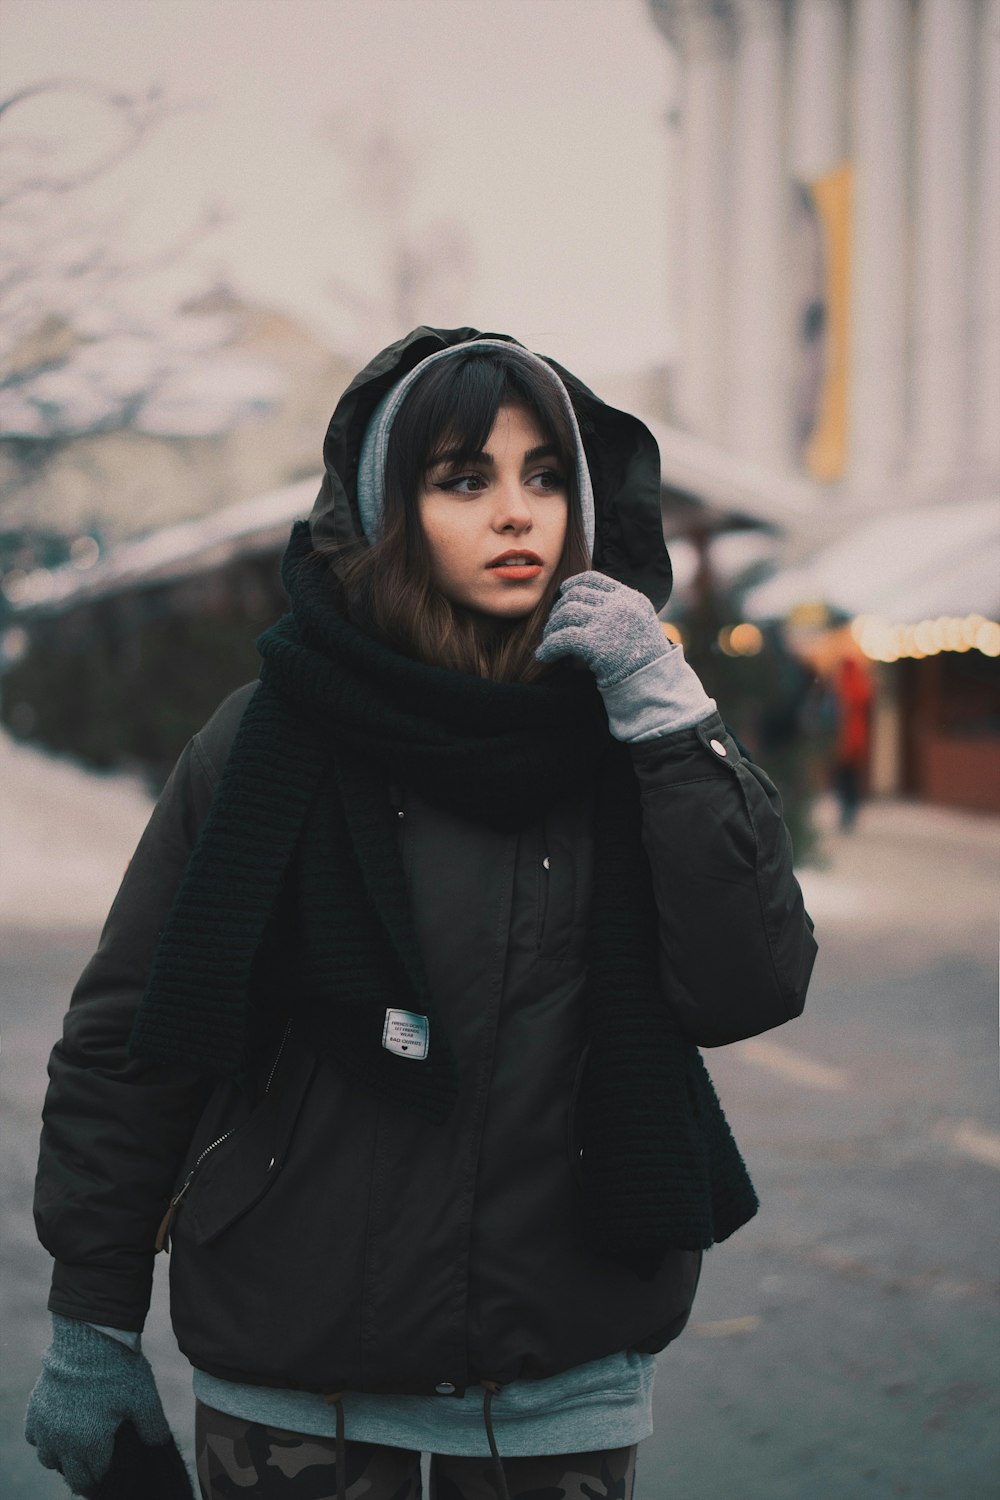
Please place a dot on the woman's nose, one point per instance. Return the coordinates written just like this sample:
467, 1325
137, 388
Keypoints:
513, 513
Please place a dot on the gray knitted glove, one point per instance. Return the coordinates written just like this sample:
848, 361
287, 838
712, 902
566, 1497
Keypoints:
90, 1384
647, 686
612, 627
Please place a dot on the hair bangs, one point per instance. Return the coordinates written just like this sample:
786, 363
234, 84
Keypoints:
462, 412
454, 407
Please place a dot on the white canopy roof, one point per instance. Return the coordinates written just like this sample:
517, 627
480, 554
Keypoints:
255, 525
713, 475
907, 565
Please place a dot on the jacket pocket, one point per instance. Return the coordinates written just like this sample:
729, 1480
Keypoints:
235, 1172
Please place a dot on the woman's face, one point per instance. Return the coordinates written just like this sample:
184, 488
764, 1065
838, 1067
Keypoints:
496, 526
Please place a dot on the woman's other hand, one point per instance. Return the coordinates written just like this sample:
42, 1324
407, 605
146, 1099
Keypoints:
89, 1387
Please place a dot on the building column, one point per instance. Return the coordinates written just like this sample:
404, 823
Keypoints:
945, 88
817, 104
985, 284
705, 46
878, 332
760, 344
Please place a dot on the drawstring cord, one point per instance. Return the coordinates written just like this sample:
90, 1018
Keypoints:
336, 1400
491, 1389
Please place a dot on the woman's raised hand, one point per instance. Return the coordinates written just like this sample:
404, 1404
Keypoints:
612, 628
648, 688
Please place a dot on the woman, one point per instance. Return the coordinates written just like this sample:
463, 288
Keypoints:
392, 1028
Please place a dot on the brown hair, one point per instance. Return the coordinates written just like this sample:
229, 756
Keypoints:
388, 589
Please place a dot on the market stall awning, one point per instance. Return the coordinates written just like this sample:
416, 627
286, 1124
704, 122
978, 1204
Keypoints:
244, 528
736, 489
906, 565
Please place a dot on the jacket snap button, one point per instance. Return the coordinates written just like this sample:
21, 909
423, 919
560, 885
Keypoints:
545, 862
445, 1388
400, 813
718, 747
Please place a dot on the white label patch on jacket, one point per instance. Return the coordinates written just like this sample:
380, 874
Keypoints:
406, 1033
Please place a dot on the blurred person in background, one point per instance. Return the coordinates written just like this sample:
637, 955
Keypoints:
391, 1036
852, 693
789, 714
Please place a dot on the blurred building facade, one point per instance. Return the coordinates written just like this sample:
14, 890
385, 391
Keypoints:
837, 213
835, 172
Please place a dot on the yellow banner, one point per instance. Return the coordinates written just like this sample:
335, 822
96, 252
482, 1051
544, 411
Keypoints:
826, 450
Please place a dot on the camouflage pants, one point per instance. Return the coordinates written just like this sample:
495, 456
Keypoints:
238, 1459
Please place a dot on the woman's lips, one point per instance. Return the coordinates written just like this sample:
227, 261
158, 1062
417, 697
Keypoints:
519, 566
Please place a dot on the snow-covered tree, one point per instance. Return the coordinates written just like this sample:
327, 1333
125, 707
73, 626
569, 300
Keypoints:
85, 345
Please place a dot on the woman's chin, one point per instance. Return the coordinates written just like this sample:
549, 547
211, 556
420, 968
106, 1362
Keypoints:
501, 611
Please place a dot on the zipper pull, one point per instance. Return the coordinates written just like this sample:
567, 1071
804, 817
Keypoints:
162, 1241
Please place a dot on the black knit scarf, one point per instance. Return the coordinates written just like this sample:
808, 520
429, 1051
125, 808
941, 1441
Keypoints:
294, 901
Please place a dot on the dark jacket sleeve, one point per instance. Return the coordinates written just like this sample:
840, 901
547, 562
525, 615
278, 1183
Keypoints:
736, 942
115, 1128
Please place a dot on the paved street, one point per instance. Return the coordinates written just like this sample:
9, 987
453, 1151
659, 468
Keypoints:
844, 1346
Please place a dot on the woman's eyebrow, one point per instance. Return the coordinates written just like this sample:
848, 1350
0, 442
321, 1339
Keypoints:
457, 456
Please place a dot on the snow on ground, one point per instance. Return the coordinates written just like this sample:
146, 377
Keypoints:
926, 875
66, 836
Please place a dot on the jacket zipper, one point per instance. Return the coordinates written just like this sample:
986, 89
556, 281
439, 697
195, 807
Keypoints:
274, 1065
163, 1233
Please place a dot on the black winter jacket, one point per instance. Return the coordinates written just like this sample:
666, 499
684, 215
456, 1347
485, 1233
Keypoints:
327, 1240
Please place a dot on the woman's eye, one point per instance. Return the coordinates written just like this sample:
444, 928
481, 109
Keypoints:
549, 479
462, 484
467, 483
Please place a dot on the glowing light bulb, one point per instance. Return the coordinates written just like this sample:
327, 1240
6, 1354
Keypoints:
926, 637
746, 639
988, 638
